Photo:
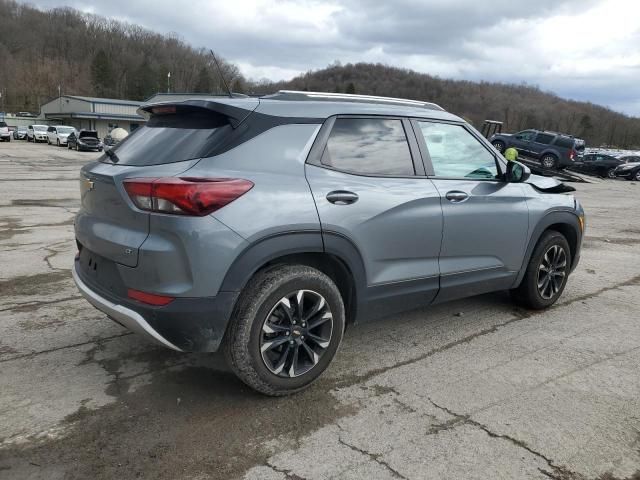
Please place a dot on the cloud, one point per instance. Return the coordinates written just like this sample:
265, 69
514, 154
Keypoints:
582, 49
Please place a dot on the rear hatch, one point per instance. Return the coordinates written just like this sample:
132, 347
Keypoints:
172, 141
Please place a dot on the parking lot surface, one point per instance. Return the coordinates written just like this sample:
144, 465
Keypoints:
471, 389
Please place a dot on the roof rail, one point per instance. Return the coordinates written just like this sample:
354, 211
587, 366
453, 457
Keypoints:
348, 97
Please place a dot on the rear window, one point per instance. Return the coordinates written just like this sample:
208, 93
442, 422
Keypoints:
167, 138
544, 138
565, 142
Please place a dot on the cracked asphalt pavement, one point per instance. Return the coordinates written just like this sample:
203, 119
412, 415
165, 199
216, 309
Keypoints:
472, 389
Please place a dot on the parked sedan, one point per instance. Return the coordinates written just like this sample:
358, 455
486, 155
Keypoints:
599, 164
20, 133
84, 140
629, 170
57, 134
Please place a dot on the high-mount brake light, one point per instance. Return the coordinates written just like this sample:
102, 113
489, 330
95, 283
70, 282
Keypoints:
185, 195
163, 110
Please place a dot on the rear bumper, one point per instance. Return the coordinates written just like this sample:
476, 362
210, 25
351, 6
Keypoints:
185, 325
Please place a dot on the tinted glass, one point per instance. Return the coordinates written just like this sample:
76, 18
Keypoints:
526, 134
564, 142
544, 138
171, 138
368, 146
456, 153
3, 124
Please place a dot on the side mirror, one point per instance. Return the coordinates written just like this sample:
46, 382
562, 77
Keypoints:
517, 172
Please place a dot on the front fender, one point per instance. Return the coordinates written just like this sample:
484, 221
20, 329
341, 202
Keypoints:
562, 216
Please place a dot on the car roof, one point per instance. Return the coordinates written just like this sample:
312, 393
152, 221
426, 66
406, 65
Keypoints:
317, 105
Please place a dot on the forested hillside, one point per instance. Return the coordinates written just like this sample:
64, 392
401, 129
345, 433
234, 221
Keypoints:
519, 106
91, 55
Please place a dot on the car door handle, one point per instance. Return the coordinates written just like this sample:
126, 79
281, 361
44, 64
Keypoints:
342, 197
456, 196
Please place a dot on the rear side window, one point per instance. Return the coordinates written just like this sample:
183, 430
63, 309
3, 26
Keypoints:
168, 138
544, 138
368, 146
564, 142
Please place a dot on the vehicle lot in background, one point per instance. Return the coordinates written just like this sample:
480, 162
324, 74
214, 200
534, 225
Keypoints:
475, 384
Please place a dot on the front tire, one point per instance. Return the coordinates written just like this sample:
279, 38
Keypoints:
498, 145
286, 328
547, 272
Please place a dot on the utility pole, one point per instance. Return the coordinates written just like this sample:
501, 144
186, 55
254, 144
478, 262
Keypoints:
169, 82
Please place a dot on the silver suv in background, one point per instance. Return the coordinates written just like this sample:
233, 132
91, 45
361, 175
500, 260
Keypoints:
57, 134
37, 133
264, 226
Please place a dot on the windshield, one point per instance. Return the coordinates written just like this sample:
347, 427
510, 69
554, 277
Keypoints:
40, 128
65, 129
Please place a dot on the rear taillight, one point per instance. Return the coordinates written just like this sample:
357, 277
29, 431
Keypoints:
186, 195
572, 155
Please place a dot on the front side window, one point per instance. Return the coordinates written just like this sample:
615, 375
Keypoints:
368, 146
525, 135
456, 153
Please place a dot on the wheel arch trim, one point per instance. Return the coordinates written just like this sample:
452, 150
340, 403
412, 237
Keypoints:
566, 217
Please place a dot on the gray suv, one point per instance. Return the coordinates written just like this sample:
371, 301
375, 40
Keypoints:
554, 150
265, 226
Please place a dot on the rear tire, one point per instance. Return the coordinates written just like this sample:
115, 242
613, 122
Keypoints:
636, 177
265, 344
549, 161
547, 272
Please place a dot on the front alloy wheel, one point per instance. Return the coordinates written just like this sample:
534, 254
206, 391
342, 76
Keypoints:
552, 272
637, 176
296, 333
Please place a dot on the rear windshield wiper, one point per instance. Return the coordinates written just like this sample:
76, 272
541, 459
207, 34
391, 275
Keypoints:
112, 155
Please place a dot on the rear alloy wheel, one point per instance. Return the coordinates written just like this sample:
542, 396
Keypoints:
637, 176
499, 146
296, 333
549, 161
547, 272
286, 329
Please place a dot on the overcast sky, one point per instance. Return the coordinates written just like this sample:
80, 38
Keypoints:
582, 49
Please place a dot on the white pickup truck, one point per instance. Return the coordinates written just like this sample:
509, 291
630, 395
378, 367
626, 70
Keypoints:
5, 133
